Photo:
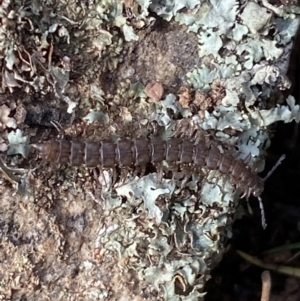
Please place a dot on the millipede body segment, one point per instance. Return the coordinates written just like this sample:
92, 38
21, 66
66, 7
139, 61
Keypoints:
180, 153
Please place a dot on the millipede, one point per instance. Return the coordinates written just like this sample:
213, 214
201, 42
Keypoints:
179, 153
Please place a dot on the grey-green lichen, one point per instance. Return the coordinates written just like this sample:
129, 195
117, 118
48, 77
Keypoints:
70, 235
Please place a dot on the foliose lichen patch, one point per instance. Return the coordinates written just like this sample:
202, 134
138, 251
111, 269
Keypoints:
71, 233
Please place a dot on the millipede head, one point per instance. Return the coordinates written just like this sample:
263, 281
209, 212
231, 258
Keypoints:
45, 149
39, 146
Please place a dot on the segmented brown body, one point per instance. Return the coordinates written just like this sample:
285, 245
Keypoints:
141, 151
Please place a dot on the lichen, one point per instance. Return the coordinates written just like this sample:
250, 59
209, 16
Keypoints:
218, 68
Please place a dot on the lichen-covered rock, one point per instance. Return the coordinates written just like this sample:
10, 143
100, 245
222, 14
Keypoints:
108, 69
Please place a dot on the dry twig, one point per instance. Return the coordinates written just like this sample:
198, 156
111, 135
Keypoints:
266, 285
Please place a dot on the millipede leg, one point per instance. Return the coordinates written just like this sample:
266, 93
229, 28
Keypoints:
222, 187
187, 174
124, 173
154, 126
59, 128
114, 177
247, 159
160, 172
185, 180
143, 170
244, 194
140, 170
217, 179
